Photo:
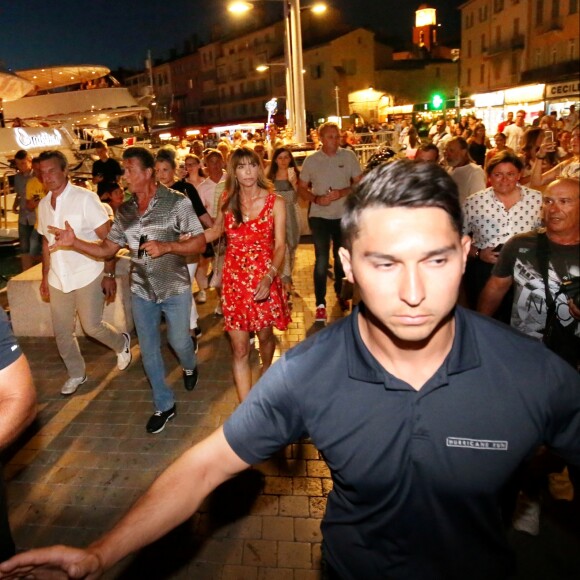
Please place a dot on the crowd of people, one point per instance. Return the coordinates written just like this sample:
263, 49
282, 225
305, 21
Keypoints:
423, 409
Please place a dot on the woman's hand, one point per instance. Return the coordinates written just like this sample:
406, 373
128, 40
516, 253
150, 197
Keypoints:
262, 290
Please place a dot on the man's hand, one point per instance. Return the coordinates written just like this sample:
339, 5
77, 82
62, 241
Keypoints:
574, 310
488, 255
62, 238
323, 200
44, 291
109, 286
53, 563
154, 248
333, 194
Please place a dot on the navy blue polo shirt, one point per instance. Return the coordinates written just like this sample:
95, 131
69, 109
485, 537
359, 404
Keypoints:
417, 474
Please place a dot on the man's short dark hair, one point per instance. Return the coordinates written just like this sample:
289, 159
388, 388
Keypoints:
101, 145
504, 157
144, 156
401, 183
22, 154
54, 154
460, 141
426, 147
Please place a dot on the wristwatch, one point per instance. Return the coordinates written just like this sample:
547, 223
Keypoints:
109, 274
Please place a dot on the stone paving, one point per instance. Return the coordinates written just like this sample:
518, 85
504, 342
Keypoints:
87, 458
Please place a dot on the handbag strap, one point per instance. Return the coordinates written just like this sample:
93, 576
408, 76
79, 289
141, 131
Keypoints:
543, 255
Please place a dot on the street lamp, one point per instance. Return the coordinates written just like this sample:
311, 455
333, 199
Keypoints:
295, 101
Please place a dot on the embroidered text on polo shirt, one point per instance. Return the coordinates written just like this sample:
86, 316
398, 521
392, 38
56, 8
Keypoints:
484, 444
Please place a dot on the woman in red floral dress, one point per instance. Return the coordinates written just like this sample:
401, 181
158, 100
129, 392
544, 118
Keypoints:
253, 300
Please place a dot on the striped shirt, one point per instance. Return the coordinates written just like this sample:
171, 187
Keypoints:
169, 215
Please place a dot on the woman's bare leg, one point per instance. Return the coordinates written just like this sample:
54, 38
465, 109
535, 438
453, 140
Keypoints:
267, 347
240, 342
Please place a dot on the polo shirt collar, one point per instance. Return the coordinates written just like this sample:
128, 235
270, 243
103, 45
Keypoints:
464, 354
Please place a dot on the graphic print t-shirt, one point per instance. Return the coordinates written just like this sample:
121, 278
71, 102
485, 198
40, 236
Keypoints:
519, 259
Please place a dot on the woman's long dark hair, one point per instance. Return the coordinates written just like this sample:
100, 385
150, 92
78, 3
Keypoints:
232, 200
274, 165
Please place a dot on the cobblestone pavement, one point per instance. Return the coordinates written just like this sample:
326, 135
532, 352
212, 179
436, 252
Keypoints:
88, 457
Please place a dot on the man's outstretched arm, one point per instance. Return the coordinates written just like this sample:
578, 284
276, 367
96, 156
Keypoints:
174, 497
492, 294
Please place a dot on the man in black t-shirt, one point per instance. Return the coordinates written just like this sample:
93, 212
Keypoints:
520, 264
105, 169
17, 409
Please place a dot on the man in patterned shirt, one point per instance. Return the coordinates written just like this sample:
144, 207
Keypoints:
491, 217
160, 228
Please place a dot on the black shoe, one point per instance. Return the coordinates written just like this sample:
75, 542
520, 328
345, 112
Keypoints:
195, 343
157, 422
190, 378
197, 332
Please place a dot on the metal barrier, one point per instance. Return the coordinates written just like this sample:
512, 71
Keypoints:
370, 143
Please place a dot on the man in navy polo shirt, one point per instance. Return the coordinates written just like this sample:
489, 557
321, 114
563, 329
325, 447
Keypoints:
422, 410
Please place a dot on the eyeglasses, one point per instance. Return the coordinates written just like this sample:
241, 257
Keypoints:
142, 252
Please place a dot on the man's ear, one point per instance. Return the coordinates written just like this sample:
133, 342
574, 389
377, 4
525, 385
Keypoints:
345, 258
465, 246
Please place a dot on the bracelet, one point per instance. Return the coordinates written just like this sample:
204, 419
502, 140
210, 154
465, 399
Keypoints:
109, 274
271, 279
542, 157
272, 267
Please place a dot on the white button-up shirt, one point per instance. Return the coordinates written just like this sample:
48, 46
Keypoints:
82, 209
490, 223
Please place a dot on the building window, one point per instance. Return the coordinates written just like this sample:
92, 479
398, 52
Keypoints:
497, 6
573, 7
316, 71
468, 77
514, 64
482, 74
469, 48
555, 8
483, 46
554, 55
572, 48
539, 12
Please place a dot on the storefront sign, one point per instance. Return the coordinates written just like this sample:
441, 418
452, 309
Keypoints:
483, 100
525, 94
559, 90
37, 139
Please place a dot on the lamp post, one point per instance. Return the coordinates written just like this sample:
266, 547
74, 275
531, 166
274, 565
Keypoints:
295, 101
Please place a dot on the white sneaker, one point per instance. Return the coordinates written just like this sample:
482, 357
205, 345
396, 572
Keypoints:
527, 516
72, 385
124, 357
201, 297
218, 309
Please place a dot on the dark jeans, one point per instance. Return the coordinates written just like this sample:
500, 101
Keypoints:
323, 232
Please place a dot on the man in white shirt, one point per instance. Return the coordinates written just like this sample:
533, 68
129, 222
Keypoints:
210, 191
515, 131
468, 176
73, 282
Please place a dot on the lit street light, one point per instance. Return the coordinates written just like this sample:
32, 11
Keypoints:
295, 101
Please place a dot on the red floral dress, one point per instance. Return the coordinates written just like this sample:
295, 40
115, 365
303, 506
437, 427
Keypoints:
249, 252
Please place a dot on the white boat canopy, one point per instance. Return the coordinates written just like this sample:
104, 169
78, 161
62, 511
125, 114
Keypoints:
13, 87
45, 79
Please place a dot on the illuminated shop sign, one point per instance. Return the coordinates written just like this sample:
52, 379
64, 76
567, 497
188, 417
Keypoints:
38, 139
562, 89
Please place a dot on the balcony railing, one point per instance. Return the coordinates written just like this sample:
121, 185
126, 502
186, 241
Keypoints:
516, 42
552, 72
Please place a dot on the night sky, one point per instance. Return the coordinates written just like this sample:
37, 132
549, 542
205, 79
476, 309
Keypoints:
118, 33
